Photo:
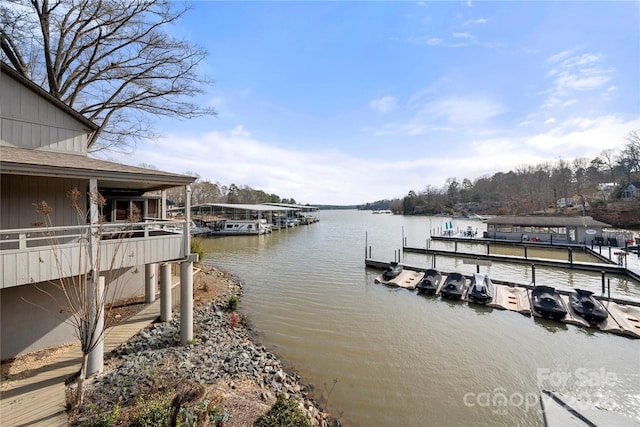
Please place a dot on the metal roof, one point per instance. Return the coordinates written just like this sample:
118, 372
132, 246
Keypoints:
287, 205
547, 221
246, 207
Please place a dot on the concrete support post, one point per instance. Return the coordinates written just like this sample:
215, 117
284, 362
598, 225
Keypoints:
95, 359
163, 204
150, 283
186, 302
165, 292
187, 218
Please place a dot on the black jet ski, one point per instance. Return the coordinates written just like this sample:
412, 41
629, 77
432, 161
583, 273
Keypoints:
430, 282
454, 286
481, 290
547, 303
585, 305
392, 271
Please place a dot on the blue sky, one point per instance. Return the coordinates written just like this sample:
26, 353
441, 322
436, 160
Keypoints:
351, 102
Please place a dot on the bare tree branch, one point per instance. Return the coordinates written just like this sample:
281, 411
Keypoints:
114, 61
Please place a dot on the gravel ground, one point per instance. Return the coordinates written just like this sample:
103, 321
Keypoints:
239, 374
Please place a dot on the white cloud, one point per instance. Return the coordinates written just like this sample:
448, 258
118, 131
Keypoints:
333, 177
444, 114
477, 21
384, 105
575, 73
463, 36
581, 137
434, 41
559, 56
549, 121
463, 111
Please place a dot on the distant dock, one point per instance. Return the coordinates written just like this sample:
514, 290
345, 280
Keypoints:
608, 265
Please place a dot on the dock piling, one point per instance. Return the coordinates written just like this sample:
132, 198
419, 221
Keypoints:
602, 274
533, 274
366, 244
570, 250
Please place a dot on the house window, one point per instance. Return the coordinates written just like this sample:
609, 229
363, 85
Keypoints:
152, 208
127, 210
122, 210
136, 210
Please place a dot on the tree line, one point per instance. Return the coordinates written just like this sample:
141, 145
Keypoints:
529, 188
205, 191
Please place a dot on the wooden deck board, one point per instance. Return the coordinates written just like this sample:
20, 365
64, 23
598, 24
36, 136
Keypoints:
39, 400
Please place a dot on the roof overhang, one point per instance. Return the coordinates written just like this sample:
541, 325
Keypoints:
245, 207
30, 162
547, 221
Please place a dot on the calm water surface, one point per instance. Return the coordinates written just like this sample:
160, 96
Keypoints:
402, 359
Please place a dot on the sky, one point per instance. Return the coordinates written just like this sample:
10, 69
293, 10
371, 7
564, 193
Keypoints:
351, 102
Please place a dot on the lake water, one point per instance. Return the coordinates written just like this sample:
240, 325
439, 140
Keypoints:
379, 356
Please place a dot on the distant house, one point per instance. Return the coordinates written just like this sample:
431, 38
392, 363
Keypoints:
605, 190
579, 229
630, 192
43, 155
564, 202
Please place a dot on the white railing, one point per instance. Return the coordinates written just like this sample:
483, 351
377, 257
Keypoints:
26, 238
33, 255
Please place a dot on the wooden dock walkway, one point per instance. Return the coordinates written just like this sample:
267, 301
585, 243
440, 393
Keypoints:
39, 399
609, 264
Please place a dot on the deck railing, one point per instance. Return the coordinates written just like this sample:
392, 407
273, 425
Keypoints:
37, 254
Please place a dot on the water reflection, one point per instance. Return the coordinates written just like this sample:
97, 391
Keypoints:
481, 309
552, 326
400, 358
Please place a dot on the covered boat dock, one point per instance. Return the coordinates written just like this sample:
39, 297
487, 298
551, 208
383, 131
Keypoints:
570, 230
275, 216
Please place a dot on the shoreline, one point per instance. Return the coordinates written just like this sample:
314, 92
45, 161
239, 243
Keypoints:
225, 356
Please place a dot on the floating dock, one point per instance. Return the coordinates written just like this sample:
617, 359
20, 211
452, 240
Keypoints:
624, 315
607, 264
407, 279
511, 298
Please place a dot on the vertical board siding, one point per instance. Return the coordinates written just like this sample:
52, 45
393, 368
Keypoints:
19, 195
29, 120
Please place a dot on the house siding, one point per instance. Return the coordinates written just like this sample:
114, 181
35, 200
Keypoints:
19, 194
41, 139
34, 317
30, 121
